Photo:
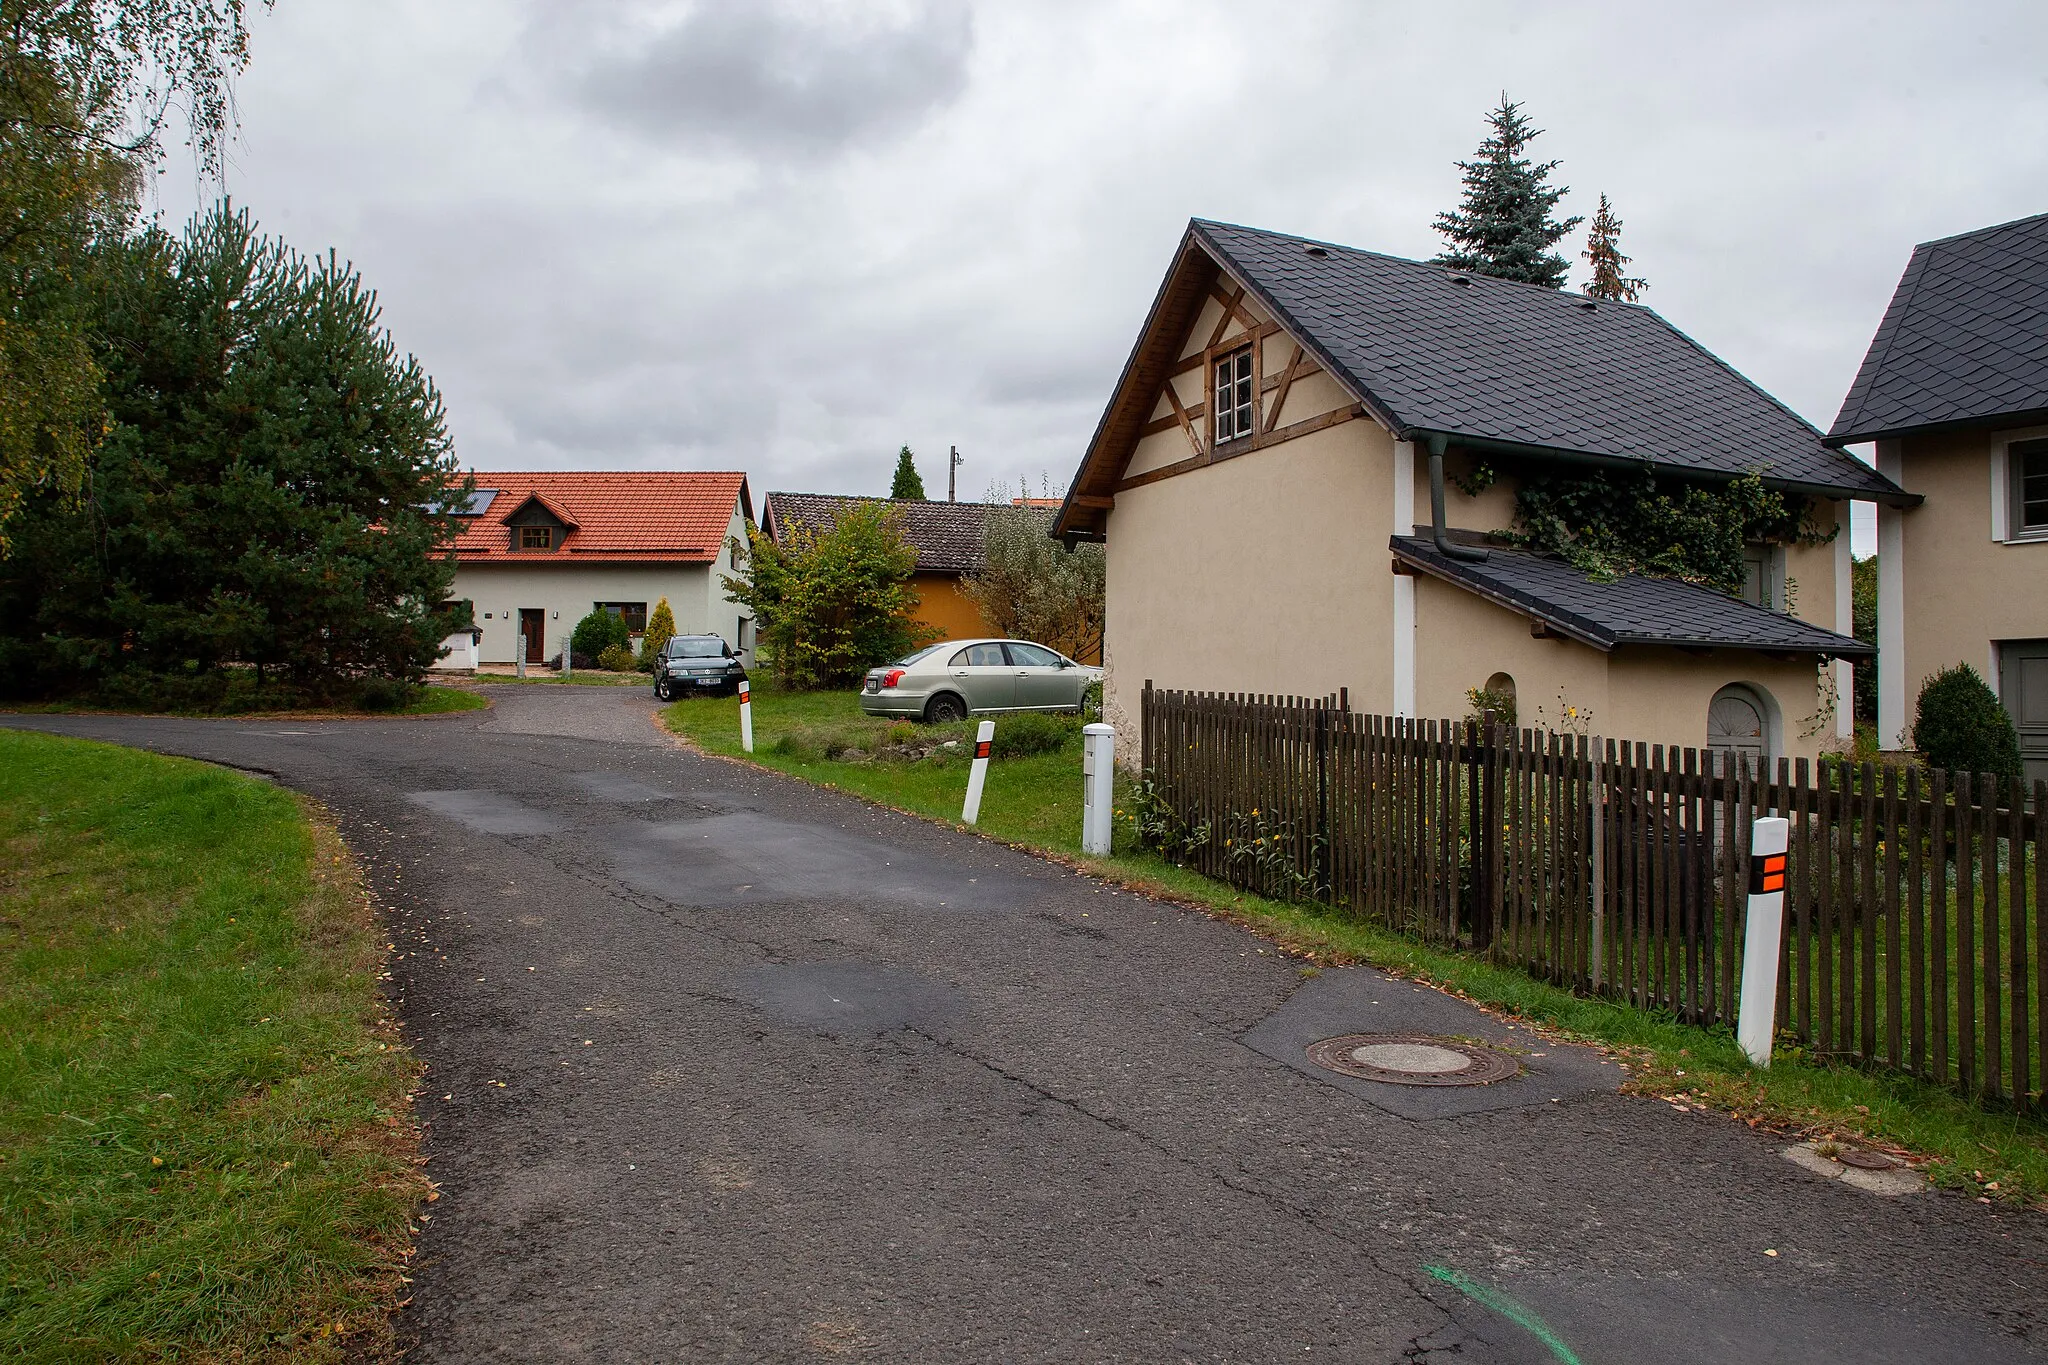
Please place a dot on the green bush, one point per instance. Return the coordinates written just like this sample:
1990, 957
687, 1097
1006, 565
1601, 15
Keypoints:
596, 633
616, 658
1961, 726
1032, 732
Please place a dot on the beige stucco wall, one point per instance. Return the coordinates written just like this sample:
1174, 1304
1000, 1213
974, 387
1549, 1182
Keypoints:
1265, 571
1653, 695
1963, 588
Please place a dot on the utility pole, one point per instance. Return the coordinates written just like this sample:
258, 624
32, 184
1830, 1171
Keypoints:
952, 473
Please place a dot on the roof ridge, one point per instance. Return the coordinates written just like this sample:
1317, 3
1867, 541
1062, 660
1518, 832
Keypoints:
1983, 231
1577, 296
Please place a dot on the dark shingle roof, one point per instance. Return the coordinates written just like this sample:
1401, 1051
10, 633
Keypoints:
1632, 610
1495, 360
949, 536
1964, 341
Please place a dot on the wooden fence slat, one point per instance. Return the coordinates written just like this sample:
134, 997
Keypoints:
1992, 945
1889, 906
2019, 1069
1966, 936
1916, 929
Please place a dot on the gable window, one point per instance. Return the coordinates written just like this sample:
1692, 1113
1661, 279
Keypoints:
536, 537
1236, 405
2028, 462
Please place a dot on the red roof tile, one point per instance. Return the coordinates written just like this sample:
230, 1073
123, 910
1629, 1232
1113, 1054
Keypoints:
625, 516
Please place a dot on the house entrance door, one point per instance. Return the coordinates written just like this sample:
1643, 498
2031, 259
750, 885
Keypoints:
532, 628
2023, 684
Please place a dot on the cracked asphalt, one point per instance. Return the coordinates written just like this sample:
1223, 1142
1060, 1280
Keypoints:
723, 1067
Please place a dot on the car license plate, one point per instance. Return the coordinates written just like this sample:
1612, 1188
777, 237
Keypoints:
707, 682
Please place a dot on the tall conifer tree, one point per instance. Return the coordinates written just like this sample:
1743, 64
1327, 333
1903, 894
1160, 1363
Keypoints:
1603, 253
1506, 224
908, 485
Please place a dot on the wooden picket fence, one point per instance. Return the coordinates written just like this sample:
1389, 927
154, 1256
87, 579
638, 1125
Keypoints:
1916, 919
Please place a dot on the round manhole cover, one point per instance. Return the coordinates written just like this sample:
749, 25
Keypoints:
1411, 1059
1864, 1160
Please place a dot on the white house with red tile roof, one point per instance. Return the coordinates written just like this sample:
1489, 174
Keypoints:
539, 551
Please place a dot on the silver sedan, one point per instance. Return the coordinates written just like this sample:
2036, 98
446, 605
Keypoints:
962, 678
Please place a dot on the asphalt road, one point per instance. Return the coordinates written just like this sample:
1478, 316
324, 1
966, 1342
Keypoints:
726, 1068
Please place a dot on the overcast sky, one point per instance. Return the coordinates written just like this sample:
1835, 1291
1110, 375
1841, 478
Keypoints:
790, 238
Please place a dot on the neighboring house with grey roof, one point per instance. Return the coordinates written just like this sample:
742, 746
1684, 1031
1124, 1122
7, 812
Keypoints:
949, 538
1954, 392
1262, 481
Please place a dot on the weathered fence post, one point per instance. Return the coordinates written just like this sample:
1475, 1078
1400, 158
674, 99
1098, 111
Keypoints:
519, 650
1486, 837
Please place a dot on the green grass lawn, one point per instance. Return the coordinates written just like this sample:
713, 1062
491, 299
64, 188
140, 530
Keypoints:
206, 1146
1035, 802
432, 700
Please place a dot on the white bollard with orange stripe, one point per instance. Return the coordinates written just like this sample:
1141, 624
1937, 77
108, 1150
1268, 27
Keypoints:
978, 774
746, 719
1757, 1021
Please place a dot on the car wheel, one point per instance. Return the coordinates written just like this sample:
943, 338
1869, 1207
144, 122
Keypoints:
664, 691
944, 709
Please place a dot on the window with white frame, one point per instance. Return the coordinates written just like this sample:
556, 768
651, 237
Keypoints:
2027, 465
1236, 398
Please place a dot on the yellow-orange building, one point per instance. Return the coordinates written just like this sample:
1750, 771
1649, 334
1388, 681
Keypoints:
949, 537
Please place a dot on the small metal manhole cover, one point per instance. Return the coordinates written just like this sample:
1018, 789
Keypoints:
1411, 1059
1864, 1160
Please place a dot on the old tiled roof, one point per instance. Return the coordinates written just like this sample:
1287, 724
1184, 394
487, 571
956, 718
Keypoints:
628, 516
1631, 610
1431, 350
949, 536
1964, 342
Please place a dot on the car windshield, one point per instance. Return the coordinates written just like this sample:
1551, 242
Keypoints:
909, 659
696, 649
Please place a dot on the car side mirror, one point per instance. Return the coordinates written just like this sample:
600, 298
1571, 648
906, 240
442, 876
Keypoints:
1066, 663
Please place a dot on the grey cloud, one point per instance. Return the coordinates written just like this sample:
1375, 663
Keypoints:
772, 78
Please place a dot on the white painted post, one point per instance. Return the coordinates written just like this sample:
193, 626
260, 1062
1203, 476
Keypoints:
1098, 778
978, 774
1757, 1021
746, 719
519, 652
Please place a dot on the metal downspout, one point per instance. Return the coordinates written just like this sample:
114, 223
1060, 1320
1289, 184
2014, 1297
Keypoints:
1467, 553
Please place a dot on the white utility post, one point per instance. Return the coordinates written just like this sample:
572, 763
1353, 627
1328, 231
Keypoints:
568, 667
746, 719
519, 651
984, 736
1756, 1022
1098, 778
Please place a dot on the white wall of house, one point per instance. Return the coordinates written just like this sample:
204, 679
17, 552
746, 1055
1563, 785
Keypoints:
566, 591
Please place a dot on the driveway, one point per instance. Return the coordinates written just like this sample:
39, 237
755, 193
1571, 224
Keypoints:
723, 1067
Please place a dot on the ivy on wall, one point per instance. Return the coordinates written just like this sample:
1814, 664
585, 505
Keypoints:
1609, 522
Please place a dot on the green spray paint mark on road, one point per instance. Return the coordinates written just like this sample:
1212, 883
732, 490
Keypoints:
1507, 1308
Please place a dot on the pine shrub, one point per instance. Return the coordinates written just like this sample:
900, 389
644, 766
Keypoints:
1961, 726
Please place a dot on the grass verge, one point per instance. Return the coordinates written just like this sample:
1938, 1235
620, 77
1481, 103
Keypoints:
206, 1142
1034, 802
434, 699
